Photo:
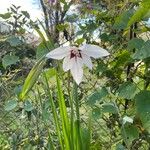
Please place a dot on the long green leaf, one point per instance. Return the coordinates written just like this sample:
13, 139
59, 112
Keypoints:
54, 112
63, 113
32, 78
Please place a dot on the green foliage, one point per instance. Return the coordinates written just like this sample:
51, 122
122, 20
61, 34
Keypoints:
43, 49
142, 102
143, 52
6, 15
14, 41
109, 110
9, 60
10, 105
97, 96
128, 90
142, 108
141, 13
28, 106
122, 21
135, 43
130, 133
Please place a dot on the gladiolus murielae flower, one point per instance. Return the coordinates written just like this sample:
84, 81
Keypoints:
76, 57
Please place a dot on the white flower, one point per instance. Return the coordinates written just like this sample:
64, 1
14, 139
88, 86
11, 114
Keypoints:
76, 57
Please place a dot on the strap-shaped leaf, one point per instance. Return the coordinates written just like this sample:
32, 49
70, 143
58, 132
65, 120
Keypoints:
32, 78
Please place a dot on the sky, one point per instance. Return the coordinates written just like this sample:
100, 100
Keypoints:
31, 6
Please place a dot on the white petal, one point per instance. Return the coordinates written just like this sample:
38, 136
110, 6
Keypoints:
67, 63
59, 53
87, 61
77, 71
93, 51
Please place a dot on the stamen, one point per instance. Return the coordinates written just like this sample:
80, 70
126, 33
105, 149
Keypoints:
75, 53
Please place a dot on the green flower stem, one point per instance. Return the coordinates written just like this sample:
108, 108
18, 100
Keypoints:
56, 119
71, 115
76, 101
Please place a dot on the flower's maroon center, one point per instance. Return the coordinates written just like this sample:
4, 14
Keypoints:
75, 53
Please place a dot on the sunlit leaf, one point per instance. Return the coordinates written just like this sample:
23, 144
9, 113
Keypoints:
51, 72
140, 13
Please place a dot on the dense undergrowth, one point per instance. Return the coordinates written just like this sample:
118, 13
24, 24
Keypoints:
41, 107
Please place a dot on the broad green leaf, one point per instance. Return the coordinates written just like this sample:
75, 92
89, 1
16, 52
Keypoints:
96, 113
109, 108
129, 133
143, 102
104, 37
97, 96
9, 60
120, 147
122, 21
32, 78
14, 41
10, 105
6, 15
122, 58
135, 43
101, 67
28, 106
62, 27
145, 119
127, 90
79, 41
140, 13
144, 52
143, 108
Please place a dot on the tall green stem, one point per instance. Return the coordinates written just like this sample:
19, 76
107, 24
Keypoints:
54, 113
71, 115
77, 106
